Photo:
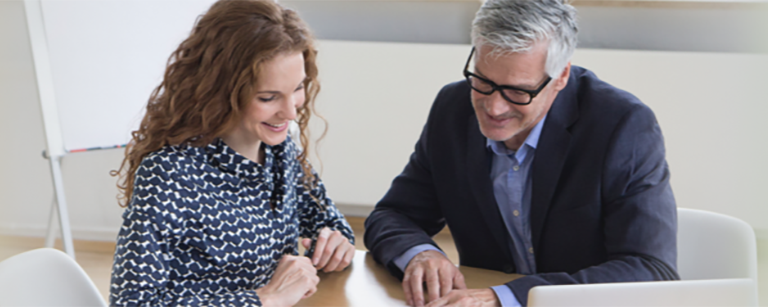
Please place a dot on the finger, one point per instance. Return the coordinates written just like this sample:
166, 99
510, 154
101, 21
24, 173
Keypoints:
307, 243
433, 284
407, 290
446, 282
436, 303
347, 257
312, 287
443, 301
458, 281
307, 265
330, 248
322, 238
337, 257
417, 287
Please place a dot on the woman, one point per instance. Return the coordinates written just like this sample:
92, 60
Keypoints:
217, 192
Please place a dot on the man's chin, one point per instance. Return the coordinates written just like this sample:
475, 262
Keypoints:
497, 134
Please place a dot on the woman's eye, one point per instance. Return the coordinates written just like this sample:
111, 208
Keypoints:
301, 87
267, 99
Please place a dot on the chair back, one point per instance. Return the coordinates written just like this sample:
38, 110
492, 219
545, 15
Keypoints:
46, 277
713, 246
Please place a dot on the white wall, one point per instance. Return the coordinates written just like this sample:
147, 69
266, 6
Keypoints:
710, 107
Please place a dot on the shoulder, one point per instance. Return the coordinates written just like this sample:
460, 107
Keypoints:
169, 160
601, 102
453, 97
451, 109
162, 179
592, 90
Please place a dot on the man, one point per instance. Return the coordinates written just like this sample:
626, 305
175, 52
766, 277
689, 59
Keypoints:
538, 168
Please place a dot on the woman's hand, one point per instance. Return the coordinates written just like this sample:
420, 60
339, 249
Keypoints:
295, 279
333, 252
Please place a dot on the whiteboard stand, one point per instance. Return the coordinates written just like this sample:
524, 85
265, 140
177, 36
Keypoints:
51, 236
54, 142
59, 203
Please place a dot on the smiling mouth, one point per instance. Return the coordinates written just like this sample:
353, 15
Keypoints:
500, 120
276, 126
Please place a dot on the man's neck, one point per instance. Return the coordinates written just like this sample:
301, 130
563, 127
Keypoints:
517, 141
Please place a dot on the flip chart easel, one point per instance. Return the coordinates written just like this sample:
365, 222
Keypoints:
54, 142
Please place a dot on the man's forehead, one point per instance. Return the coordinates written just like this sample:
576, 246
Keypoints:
522, 69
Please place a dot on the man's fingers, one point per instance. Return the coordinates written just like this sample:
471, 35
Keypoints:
446, 283
433, 284
443, 301
407, 290
458, 281
417, 287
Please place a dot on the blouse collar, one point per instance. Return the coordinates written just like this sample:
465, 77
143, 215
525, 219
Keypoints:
228, 160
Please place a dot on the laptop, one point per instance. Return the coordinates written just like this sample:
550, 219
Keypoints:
711, 292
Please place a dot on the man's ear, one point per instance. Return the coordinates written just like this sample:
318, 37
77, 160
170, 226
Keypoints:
562, 80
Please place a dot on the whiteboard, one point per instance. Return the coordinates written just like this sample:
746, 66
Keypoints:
106, 58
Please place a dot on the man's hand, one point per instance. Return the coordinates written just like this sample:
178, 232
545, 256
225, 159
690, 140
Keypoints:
295, 279
433, 268
470, 297
333, 252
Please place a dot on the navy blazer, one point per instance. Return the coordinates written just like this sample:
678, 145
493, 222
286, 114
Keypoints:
602, 209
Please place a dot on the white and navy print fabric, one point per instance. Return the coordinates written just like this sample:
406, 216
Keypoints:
206, 226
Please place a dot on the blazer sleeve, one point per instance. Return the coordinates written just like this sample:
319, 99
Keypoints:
408, 215
638, 209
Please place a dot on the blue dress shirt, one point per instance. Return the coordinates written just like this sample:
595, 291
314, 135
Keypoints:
511, 177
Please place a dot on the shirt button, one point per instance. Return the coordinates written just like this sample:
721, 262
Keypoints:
516, 168
516, 213
530, 250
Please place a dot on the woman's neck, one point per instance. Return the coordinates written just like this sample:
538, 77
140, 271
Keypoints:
245, 146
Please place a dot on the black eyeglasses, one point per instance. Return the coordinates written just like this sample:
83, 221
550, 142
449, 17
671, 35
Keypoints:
510, 93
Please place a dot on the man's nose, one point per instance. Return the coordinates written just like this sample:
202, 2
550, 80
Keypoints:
496, 105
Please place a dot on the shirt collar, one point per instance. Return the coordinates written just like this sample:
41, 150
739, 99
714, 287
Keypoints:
228, 160
530, 143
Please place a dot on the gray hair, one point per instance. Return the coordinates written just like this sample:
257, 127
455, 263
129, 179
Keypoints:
511, 26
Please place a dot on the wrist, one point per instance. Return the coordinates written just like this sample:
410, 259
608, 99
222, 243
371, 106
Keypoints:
264, 296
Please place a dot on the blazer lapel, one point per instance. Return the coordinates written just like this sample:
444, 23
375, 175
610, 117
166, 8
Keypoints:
551, 153
479, 173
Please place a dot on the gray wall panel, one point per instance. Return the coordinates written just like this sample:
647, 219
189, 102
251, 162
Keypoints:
703, 26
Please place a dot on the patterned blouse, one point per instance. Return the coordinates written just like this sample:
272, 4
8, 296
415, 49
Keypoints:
200, 228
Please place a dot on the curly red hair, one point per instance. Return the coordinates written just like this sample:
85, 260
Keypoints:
210, 79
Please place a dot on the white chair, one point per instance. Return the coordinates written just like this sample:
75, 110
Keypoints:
716, 260
712, 246
46, 277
